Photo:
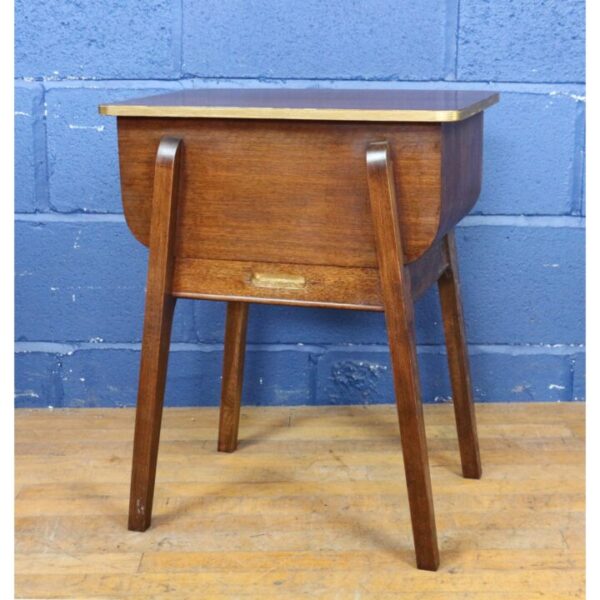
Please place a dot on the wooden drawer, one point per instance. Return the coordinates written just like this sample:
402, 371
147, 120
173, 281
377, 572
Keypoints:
281, 283
342, 287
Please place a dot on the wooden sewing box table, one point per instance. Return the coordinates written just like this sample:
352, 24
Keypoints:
312, 197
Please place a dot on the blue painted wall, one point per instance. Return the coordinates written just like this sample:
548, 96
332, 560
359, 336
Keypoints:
80, 275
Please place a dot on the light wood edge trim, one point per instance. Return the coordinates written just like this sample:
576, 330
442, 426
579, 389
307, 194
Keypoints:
306, 114
281, 301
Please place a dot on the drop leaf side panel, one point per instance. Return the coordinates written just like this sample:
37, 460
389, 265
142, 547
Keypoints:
462, 149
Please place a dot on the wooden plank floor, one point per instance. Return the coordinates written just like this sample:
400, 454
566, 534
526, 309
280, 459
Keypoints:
312, 505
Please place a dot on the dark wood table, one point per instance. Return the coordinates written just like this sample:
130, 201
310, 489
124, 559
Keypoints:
332, 198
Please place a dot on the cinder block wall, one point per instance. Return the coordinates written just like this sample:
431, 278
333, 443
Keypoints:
80, 275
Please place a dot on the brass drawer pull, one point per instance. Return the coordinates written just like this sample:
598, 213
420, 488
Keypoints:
278, 280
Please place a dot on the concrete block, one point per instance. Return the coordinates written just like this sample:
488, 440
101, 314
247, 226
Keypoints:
83, 282
529, 155
30, 149
109, 377
363, 376
381, 39
136, 39
83, 155
38, 380
521, 40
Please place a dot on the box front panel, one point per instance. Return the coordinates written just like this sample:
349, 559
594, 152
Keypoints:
282, 193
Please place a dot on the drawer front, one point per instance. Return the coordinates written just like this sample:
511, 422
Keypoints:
303, 285
277, 283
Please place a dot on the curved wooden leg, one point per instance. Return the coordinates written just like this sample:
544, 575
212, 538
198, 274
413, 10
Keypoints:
398, 306
233, 373
157, 333
458, 363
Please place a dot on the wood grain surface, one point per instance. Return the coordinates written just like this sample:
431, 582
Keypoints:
275, 191
313, 504
399, 320
233, 374
158, 319
458, 362
295, 193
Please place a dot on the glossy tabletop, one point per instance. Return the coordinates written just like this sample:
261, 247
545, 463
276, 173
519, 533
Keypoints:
309, 104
